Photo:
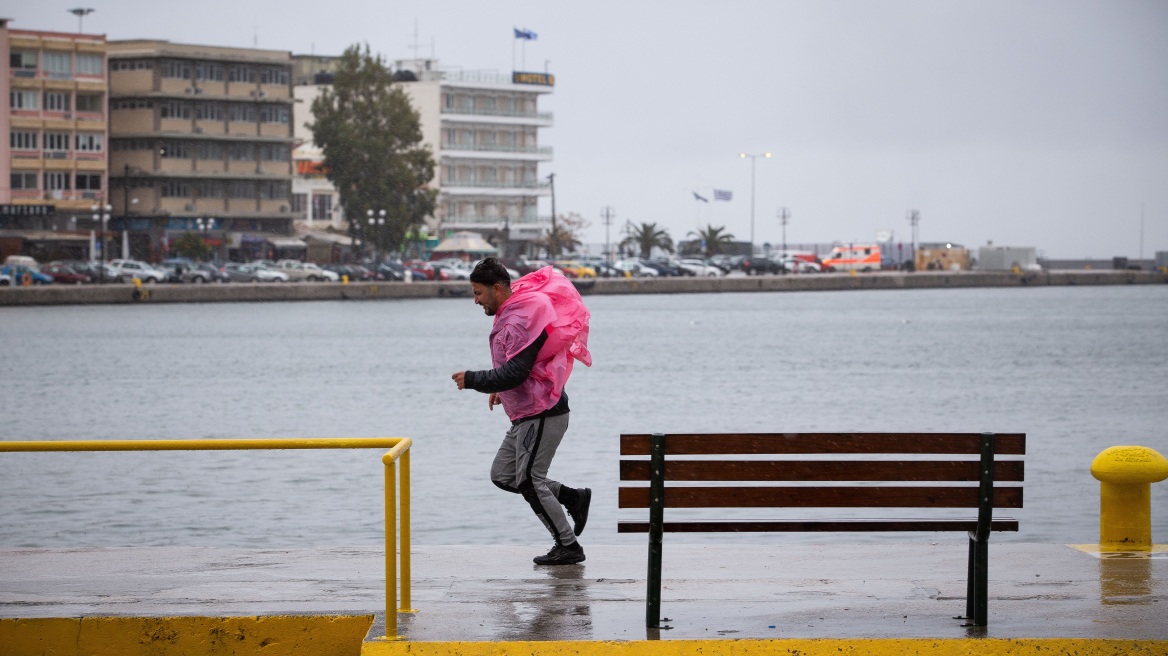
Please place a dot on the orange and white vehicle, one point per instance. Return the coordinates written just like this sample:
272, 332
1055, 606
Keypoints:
853, 257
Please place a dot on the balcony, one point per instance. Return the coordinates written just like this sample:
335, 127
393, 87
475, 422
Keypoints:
499, 151
543, 116
463, 187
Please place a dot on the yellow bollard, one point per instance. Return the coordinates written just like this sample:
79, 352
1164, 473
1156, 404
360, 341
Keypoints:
345, 279
1125, 475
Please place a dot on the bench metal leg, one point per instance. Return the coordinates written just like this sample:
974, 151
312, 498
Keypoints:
977, 583
656, 519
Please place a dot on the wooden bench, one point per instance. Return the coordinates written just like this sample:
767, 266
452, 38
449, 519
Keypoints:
900, 477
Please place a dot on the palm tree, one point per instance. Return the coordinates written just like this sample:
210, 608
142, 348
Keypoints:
713, 238
646, 236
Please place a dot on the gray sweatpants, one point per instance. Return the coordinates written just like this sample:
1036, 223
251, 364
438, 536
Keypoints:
521, 466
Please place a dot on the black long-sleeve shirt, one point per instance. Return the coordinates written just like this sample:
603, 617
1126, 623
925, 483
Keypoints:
511, 374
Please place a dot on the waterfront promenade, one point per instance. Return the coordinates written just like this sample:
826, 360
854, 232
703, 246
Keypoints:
316, 291
733, 599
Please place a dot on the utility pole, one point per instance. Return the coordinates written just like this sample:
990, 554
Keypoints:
607, 214
914, 218
555, 234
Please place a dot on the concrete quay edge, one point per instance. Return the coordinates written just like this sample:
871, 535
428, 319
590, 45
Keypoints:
324, 291
733, 599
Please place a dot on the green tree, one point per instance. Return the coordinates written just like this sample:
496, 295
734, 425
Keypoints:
190, 245
714, 238
373, 153
646, 236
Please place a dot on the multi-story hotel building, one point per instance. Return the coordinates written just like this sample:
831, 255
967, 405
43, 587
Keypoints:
201, 142
483, 129
53, 164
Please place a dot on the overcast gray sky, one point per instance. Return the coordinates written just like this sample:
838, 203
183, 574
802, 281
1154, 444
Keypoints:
1027, 122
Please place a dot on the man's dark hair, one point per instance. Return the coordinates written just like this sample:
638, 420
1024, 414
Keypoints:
489, 272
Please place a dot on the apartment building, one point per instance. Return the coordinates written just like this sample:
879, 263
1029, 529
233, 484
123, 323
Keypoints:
201, 141
483, 128
53, 164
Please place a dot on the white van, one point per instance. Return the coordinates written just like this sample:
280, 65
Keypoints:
21, 261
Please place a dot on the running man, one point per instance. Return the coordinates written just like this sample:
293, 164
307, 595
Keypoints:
540, 328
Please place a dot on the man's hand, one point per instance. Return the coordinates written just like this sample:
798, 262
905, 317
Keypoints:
493, 400
459, 379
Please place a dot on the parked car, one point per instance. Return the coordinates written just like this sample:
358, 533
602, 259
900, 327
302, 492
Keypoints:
761, 264
422, 268
64, 274
700, 268
129, 270
578, 269
93, 270
361, 273
5, 280
451, 271
304, 271
210, 273
253, 273
638, 269
25, 275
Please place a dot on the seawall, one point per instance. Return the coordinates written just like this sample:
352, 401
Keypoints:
249, 292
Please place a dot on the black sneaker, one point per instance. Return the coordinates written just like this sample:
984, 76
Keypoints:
562, 555
579, 510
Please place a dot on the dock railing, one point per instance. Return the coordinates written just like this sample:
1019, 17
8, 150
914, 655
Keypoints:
396, 527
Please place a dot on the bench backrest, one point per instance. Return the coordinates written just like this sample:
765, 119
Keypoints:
977, 477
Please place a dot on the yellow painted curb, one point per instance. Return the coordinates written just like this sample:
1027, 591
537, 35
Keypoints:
278, 635
866, 647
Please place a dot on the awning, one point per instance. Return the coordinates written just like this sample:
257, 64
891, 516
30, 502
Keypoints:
286, 242
465, 242
330, 237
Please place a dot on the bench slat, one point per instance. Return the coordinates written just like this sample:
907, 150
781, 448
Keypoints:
820, 497
818, 525
821, 470
784, 443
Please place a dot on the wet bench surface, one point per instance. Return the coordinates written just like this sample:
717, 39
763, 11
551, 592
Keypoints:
980, 471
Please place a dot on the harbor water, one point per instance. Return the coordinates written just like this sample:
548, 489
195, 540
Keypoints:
1078, 369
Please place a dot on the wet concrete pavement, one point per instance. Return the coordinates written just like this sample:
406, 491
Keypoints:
495, 593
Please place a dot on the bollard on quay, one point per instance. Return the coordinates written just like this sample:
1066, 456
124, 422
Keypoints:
1125, 475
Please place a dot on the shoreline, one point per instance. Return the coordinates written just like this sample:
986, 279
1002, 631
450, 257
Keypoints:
113, 294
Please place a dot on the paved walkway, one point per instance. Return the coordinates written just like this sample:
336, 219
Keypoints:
493, 593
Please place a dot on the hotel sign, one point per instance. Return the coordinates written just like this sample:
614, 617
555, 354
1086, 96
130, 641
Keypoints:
28, 210
542, 79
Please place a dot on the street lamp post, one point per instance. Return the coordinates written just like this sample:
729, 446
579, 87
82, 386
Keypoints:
784, 215
914, 218
205, 226
378, 220
752, 157
80, 12
101, 213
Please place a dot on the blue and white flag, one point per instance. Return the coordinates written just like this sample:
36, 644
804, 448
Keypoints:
698, 196
722, 194
525, 34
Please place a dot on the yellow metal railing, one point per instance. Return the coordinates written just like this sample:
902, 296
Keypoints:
399, 452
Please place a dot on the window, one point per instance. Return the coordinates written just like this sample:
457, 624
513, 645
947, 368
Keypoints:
22, 99
22, 59
241, 189
299, 203
275, 153
212, 150
176, 189
241, 73
322, 207
273, 76
88, 182
56, 141
89, 64
209, 111
55, 101
176, 150
208, 71
22, 140
448, 101
241, 113
131, 65
91, 142
176, 69
89, 102
56, 64
131, 144
241, 152
273, 114
56, 180
275, 190
24, 180
174, 109
210, 189
132, 103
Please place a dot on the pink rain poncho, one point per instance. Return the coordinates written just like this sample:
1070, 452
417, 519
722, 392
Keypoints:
541, 300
